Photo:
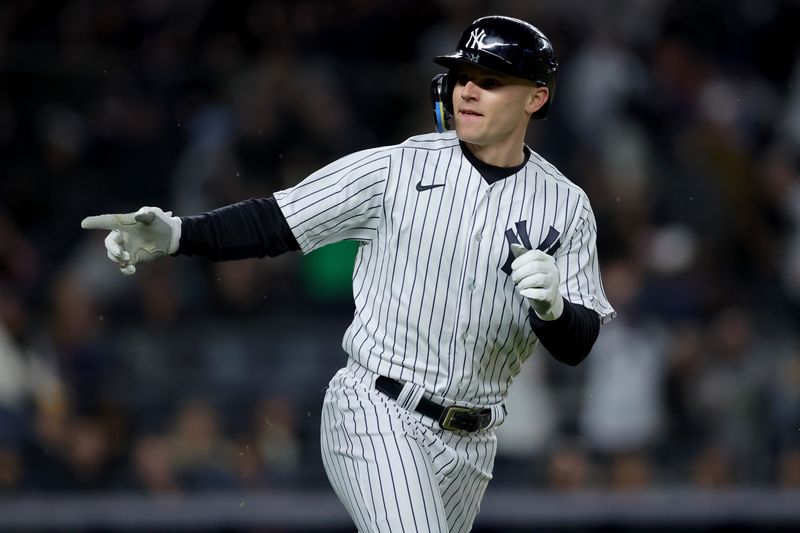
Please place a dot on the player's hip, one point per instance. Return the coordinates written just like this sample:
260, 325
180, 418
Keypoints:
357, 420
355, 393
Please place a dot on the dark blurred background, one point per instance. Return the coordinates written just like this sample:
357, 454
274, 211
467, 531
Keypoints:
195, 380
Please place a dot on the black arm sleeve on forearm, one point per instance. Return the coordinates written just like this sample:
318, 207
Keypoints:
570, 337
253, 228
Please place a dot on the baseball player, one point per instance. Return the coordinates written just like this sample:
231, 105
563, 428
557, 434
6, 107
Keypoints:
473, 249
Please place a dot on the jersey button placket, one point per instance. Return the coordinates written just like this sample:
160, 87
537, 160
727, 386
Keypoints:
471, 286
471, 256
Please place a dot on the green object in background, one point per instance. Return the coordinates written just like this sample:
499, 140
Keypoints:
327, 273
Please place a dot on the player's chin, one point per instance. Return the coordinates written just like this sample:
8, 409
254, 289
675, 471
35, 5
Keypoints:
468, 133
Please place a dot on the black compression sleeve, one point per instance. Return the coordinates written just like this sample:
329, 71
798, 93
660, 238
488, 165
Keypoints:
253, 228
570, 337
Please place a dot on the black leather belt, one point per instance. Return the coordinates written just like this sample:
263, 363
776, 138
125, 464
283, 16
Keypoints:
453, 418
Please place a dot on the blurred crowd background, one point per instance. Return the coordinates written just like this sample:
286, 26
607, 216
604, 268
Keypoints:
681, 120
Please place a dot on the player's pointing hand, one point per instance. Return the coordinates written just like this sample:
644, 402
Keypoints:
537, 278
137, 237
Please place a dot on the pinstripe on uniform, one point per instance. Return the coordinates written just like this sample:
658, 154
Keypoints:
434, 308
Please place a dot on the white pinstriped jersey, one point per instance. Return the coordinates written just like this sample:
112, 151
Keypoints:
434, 303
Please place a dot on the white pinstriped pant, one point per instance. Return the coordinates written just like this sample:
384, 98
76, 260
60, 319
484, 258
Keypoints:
397, 471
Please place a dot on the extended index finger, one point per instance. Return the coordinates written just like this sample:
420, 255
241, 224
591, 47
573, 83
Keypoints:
108, 222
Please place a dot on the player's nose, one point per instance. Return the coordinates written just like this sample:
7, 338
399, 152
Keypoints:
470, 91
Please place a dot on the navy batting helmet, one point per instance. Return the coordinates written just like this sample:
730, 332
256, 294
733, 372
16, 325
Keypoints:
505, 45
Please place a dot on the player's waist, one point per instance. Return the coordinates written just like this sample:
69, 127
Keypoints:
447, 414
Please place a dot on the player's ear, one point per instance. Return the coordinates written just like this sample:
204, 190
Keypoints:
537, 98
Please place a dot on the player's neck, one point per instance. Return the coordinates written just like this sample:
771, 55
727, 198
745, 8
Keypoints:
499, 155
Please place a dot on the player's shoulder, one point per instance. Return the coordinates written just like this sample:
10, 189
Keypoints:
551, 174
431, 141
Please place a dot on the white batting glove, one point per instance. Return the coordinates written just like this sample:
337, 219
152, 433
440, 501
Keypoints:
137, 237
537, 278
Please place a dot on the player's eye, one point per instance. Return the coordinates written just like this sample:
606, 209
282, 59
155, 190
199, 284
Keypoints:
461, 78
489, 83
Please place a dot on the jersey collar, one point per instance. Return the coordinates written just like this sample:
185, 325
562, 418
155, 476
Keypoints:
492, 173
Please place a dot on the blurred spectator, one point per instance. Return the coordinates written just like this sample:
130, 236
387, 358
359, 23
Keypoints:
27, 379
684, 429
19, 261
201, 455
152, 465
276, 441
623, 410
160, 296
531, 425
783, 414
789, 200
26, 376
729, 395
86, 362
598, 81
10, 468
45, 467
89, 455
713, 468
569, 468
248, 466
789, 469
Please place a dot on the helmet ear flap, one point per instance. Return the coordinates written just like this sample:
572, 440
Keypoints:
442, 100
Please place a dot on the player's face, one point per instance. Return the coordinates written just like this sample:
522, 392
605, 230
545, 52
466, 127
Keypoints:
491, 108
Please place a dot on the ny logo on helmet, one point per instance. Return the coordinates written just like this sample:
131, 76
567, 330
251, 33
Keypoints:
476, 39
472, 57
549, 245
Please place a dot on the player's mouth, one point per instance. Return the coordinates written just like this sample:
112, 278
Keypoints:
469, 113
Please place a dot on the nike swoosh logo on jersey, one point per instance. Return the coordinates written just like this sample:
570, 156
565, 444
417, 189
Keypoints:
421, 187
